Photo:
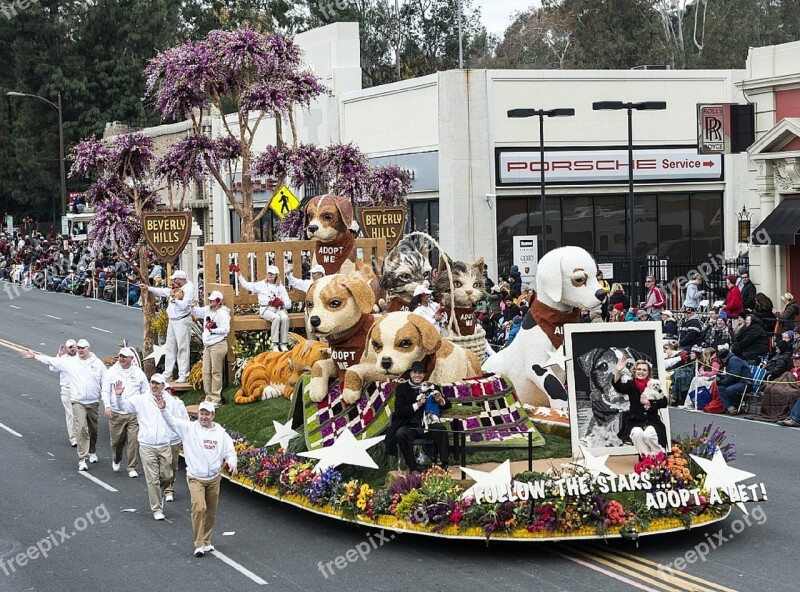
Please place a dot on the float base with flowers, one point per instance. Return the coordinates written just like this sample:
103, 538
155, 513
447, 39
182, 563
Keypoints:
691, 486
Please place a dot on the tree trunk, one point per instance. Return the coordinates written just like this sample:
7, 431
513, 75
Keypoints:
148, 314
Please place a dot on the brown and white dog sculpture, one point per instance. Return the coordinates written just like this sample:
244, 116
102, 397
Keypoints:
399, 339
330, 218
338, 309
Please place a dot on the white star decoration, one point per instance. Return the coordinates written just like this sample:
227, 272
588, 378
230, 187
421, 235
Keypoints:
159, 351
345, 450
557, 358
596, 465
719, 474
283, 434
501, 475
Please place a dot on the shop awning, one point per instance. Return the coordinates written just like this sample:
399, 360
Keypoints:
780, 226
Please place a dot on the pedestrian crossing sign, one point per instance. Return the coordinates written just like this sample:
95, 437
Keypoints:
283, 202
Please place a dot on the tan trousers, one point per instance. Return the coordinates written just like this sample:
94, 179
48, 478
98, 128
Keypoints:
176, 457
213, 363
157, 464
124, 429
205, 496
84, 426
66, 401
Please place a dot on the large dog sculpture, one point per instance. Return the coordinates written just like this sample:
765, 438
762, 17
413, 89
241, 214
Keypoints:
330, 218
399, 339
565, 283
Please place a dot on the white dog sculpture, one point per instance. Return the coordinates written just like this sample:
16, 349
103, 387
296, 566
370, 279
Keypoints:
565, 283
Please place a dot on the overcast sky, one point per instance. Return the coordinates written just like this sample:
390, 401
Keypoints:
496, 14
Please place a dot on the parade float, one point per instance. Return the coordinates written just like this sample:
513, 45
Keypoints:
327, 454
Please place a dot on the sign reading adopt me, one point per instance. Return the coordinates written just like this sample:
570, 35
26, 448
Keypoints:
167, 233
515, 167
383, 222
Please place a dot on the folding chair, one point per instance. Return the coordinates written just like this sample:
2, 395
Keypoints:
753, 391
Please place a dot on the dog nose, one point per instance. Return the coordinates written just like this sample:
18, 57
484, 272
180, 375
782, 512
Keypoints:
386, 363
314, 321
313, 228
600, 294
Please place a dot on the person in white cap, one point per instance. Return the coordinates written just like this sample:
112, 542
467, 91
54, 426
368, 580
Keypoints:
85, 372
216, 326
205, 445
423, 305
273, 302
154, 440
70, 348
179, 330
317, 272
123, 426
178, 409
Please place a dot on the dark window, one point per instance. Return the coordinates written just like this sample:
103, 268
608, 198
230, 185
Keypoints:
645, 220
578, 221
674, 226
263, 230
707, 229
512, 220
609, 223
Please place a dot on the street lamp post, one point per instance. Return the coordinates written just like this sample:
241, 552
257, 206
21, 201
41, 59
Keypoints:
541, 114
630, 107
62, 171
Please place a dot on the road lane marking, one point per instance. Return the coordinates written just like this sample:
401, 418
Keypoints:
52, 317
17, 307
240, 568
96, 480
99, 329
16, 346
606, 572
10, 431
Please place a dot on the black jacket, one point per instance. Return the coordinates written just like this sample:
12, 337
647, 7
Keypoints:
619, 297
753, 340
748, 291
639, 417
788, 315
691, 332
404, 414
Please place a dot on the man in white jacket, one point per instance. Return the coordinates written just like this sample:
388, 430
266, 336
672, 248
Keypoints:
154, 440
179, 330
70, 348
85, 372
273, 304
205, 445
123, 427
216, 326
178, 409
317, 272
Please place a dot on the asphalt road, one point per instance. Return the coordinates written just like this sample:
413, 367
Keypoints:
93, 541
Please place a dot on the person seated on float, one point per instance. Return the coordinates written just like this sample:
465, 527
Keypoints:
732, 381
317, 272
423, 305
273, 302
412, 399
641, 424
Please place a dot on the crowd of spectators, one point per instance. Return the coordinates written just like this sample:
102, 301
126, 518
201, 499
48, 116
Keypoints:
61, 264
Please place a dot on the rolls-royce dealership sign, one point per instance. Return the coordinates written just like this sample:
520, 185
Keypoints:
650, 165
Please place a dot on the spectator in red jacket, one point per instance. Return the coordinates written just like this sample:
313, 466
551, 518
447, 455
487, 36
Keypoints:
733, 301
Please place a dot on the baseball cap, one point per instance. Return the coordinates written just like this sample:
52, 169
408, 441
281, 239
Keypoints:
71, 343
421, 290
82, 343
127, 352
318, 269
208, 406
215, 295
178, 275
417, 367
667, 313
158, 378
273, 269
796, 355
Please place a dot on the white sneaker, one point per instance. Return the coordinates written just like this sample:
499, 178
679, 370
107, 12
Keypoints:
115, 466
158, 515
133, 474
208, 548
93, 458
182, 379
82, 466
169, 498
73, 442
199, 552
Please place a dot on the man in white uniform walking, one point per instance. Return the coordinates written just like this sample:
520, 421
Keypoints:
70, 348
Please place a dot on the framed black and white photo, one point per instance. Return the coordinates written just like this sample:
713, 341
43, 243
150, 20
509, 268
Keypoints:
593, 351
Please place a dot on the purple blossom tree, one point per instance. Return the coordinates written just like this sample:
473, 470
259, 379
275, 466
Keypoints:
262, 77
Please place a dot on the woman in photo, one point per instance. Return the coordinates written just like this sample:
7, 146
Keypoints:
641, 424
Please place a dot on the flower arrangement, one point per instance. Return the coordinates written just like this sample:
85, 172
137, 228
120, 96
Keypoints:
432, 500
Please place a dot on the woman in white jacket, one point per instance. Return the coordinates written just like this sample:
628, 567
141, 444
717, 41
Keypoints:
273, 301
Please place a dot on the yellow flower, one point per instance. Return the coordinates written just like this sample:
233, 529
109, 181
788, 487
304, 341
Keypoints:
363, 496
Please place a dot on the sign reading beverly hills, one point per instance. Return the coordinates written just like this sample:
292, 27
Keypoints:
383, 222
167, 233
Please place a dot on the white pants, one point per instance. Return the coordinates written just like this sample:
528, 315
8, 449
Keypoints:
645, 440
179, 334
67, 403
279, 329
